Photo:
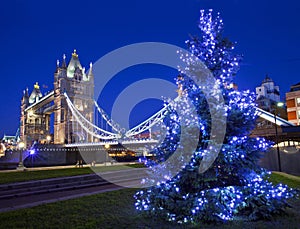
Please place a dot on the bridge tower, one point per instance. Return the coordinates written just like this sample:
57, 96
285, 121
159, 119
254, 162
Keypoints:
79, 86
35, 117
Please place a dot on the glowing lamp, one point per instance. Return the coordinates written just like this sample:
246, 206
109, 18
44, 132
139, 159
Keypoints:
21, 145
280, 104
32, 151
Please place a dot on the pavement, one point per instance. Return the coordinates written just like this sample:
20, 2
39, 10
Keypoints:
64, 167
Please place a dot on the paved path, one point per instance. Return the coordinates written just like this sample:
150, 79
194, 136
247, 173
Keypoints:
35, 200
65, 167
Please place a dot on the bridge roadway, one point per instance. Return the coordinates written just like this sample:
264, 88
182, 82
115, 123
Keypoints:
123, 142
33, 193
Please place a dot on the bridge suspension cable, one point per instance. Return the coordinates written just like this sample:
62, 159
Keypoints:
154, 119
115, 126
88, 126
160, 115
147, 124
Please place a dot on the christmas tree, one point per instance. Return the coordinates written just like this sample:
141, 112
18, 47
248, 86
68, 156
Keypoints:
233, 185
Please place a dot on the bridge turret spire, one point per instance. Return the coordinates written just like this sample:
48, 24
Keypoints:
74, 67
25, 98
35, 94
26, 93
74, 54
90, 74
64, 65
57, 66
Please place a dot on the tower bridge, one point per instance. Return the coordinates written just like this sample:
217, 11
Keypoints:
75, 112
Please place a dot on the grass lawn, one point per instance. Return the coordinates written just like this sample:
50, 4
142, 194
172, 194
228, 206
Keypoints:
116, 210
290, 180
10, 177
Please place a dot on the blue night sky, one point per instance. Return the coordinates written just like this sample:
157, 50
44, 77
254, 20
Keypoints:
34, 34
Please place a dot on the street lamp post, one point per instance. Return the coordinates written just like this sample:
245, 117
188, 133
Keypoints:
279, 104
20, 165
106, 146
48, 139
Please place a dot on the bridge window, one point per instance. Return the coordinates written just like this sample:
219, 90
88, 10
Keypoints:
78, 105
71, 118
62, 115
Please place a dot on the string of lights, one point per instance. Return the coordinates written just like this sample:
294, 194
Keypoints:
234, 186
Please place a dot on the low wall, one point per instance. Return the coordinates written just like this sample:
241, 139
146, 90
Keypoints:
289, 157
48, 155
51, 155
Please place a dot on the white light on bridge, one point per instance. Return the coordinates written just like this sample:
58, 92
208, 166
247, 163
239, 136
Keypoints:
21, 145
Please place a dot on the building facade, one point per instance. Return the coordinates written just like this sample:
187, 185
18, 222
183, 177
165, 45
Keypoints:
293, 104
267, 95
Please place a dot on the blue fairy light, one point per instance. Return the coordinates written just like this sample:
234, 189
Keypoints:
235, 185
